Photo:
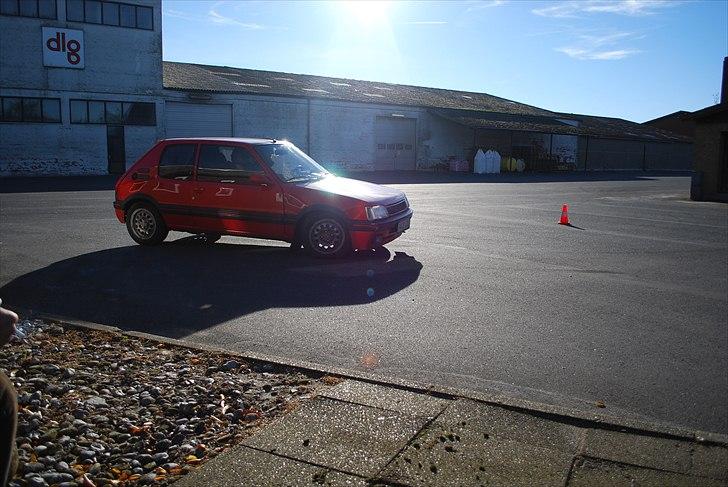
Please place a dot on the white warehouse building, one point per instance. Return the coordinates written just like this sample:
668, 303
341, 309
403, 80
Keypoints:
84, 90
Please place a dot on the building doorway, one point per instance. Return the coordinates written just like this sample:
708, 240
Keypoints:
395, 140
115, 149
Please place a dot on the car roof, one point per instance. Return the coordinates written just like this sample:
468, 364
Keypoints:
238, 140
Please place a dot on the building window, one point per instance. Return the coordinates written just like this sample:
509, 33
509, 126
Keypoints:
28, 109
43, 9
109, 13
113, 112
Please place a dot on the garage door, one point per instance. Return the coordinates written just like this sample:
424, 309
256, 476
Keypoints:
198, 120
395, 143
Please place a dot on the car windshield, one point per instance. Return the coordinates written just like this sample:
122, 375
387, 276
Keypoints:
290, 163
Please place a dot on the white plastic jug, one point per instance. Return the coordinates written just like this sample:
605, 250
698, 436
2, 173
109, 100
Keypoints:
480, 162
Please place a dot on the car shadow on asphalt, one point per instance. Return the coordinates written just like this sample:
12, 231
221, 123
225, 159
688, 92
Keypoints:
186, 285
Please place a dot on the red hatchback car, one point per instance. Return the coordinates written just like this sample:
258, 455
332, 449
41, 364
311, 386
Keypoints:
260, 188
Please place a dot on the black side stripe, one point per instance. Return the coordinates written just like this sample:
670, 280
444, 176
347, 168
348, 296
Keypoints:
253, 216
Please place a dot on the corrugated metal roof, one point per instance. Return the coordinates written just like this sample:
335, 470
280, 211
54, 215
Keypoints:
623, 129
478, 110
605, 127
223, 79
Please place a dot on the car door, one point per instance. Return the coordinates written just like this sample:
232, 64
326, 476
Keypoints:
234, 195
173, 185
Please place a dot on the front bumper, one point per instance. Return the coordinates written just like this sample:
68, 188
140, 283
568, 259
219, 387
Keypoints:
366, 235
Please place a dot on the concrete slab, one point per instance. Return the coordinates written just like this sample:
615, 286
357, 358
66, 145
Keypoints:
469, 455
645, 451
246, 466
352, 438
382, 397
501, 423
589, 472
710, 461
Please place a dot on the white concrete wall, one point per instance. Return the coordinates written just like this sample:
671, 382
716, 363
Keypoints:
121, 64
342, 134
277, 118
44, 149
117, 59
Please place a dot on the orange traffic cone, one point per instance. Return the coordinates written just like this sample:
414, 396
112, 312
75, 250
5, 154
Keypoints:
564, 220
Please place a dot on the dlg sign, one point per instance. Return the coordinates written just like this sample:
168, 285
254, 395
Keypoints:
63, 48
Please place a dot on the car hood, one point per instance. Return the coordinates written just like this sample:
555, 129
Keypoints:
353, 188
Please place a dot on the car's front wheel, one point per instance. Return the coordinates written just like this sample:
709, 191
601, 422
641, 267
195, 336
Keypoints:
326, 236
145, 224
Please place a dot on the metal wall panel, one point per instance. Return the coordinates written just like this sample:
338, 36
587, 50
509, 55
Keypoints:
395, 141
198, 120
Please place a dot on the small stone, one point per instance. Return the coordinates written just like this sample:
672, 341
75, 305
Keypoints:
143, 459
147, 479
231, 365
86, 454
160, 458
40, 450
51, 369
146, 400
56, 478
68, 373
96, 401
186, 448
36, 482
33, 467
163, 445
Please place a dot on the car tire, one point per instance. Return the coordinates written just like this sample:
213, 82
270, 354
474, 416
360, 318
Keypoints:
211, 238
145, 224
326, 235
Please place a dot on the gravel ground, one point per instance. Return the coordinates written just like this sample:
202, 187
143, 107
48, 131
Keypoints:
98, 408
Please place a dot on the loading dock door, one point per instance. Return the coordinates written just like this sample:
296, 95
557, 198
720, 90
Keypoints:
395, 143
198, 120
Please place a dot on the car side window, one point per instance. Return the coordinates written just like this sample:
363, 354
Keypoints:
226, 164
177, 161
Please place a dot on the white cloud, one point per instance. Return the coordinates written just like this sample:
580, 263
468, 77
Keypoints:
425, 22
212, 16
481, 4
633, 8
604, 47
591, 55
217, 18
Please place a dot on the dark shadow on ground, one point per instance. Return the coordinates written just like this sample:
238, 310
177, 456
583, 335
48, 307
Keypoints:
185, 286
105, 183
57, 184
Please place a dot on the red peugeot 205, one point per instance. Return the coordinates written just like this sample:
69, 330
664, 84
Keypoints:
260, 188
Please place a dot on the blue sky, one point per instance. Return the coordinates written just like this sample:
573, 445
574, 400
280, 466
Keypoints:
633, 59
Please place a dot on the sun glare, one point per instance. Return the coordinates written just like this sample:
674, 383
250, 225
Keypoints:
367, 12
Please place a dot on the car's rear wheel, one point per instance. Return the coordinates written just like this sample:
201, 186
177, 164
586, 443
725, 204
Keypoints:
327, 236
145, 224
211, 238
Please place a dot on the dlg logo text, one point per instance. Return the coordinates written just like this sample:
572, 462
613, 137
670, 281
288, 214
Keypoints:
71, 47
63, 48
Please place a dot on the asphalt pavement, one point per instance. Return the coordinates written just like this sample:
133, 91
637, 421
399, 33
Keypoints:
627, 308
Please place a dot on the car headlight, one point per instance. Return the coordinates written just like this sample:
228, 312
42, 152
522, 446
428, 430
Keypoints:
377, 212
